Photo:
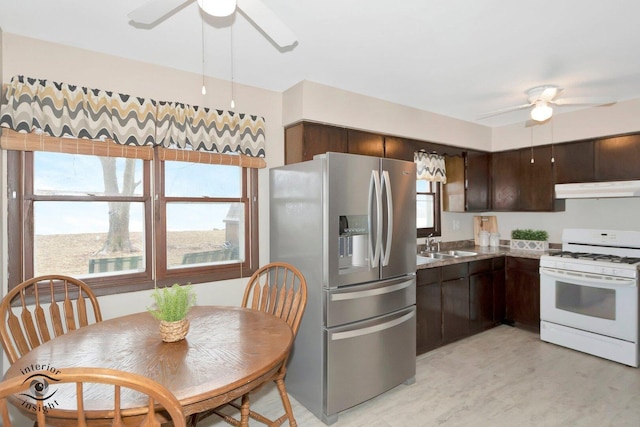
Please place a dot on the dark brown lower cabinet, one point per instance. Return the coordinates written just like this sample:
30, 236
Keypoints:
522, 290
499, 303
458, 300
480, 295
429, 310
455, 302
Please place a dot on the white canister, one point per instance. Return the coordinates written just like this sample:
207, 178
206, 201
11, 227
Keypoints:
494, 240
483, 238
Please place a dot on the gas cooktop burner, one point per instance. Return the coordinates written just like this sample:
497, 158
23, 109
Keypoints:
596, 257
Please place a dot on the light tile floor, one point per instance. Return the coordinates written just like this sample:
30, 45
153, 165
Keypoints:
502, 377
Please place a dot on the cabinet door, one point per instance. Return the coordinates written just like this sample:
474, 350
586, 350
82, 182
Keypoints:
574, 162
480, 295
366, 143
455, 309
537, 181
305, 140
617, 158
477, 172
498, 290
453, 193
429, 310
399, 148
505, 174
523, 292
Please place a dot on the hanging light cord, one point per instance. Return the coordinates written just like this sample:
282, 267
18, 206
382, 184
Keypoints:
204, 88
532, 161
553, 159
233, 104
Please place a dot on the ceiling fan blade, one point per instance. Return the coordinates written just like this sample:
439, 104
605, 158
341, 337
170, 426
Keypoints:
504, 110
154, 10
268, 22
583, 101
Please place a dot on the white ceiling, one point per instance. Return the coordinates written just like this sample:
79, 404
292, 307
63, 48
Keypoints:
459, 58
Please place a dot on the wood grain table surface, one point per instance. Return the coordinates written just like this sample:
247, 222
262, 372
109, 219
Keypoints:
227, 352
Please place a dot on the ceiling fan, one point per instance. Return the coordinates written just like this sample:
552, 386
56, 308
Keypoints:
541, 98
255, 10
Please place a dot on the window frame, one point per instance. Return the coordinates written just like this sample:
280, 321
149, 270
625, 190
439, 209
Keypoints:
20, 177
436, 230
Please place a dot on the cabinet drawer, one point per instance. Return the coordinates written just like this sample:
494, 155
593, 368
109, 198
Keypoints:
426, 276
498, 263
480, 266
454, 271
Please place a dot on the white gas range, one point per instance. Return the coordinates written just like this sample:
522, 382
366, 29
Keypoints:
589, 294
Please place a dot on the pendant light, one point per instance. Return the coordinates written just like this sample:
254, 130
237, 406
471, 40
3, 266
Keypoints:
220, 8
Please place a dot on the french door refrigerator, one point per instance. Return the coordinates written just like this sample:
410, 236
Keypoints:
348, 222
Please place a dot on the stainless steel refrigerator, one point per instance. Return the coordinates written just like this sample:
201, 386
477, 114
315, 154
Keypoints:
348, 222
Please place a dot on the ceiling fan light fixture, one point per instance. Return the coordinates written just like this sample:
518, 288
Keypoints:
541, 112
220, 8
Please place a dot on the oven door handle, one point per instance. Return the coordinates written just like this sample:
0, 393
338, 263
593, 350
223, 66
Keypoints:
586, 280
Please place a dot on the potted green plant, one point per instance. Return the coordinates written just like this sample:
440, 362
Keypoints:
530, 240
171, 307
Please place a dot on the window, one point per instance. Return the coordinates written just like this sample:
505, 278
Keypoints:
428, 208
124, 224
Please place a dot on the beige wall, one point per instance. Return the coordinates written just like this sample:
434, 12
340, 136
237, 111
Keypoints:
320, 103
619, 118
40, 59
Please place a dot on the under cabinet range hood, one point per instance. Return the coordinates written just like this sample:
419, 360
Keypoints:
596, 190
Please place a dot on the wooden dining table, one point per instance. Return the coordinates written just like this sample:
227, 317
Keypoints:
228, 352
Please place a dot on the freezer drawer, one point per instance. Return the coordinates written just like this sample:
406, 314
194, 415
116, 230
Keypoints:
358, 302
368, 358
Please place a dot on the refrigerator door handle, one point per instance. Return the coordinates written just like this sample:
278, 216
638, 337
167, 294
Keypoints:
374, 247
386, 251
335, 336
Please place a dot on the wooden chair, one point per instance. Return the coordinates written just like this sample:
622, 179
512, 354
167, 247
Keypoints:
159, 398
23, 330
279, 289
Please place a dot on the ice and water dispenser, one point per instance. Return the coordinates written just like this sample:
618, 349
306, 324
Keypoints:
353, 241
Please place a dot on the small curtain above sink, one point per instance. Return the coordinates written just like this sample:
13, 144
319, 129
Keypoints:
430, 167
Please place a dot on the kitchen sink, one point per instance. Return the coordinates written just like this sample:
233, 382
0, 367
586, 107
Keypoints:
425, 257
424, 260
461, 253
436, 255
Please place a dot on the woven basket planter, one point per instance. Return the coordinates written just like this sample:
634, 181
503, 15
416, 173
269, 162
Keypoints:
530, 245
174, 331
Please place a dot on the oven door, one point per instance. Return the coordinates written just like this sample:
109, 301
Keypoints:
604, 305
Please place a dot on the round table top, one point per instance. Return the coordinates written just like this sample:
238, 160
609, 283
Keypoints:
227, 352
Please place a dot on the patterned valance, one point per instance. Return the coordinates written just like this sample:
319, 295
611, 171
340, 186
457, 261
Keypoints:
63, 110
430, 167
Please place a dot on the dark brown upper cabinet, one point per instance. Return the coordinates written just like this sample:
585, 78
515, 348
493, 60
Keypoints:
521, 185
467, 187
574, 162
478, 172
365, 143
505, 180
399, 148
537, 181
617, 158
304, 140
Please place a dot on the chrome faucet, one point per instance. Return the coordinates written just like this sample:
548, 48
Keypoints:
431, 244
